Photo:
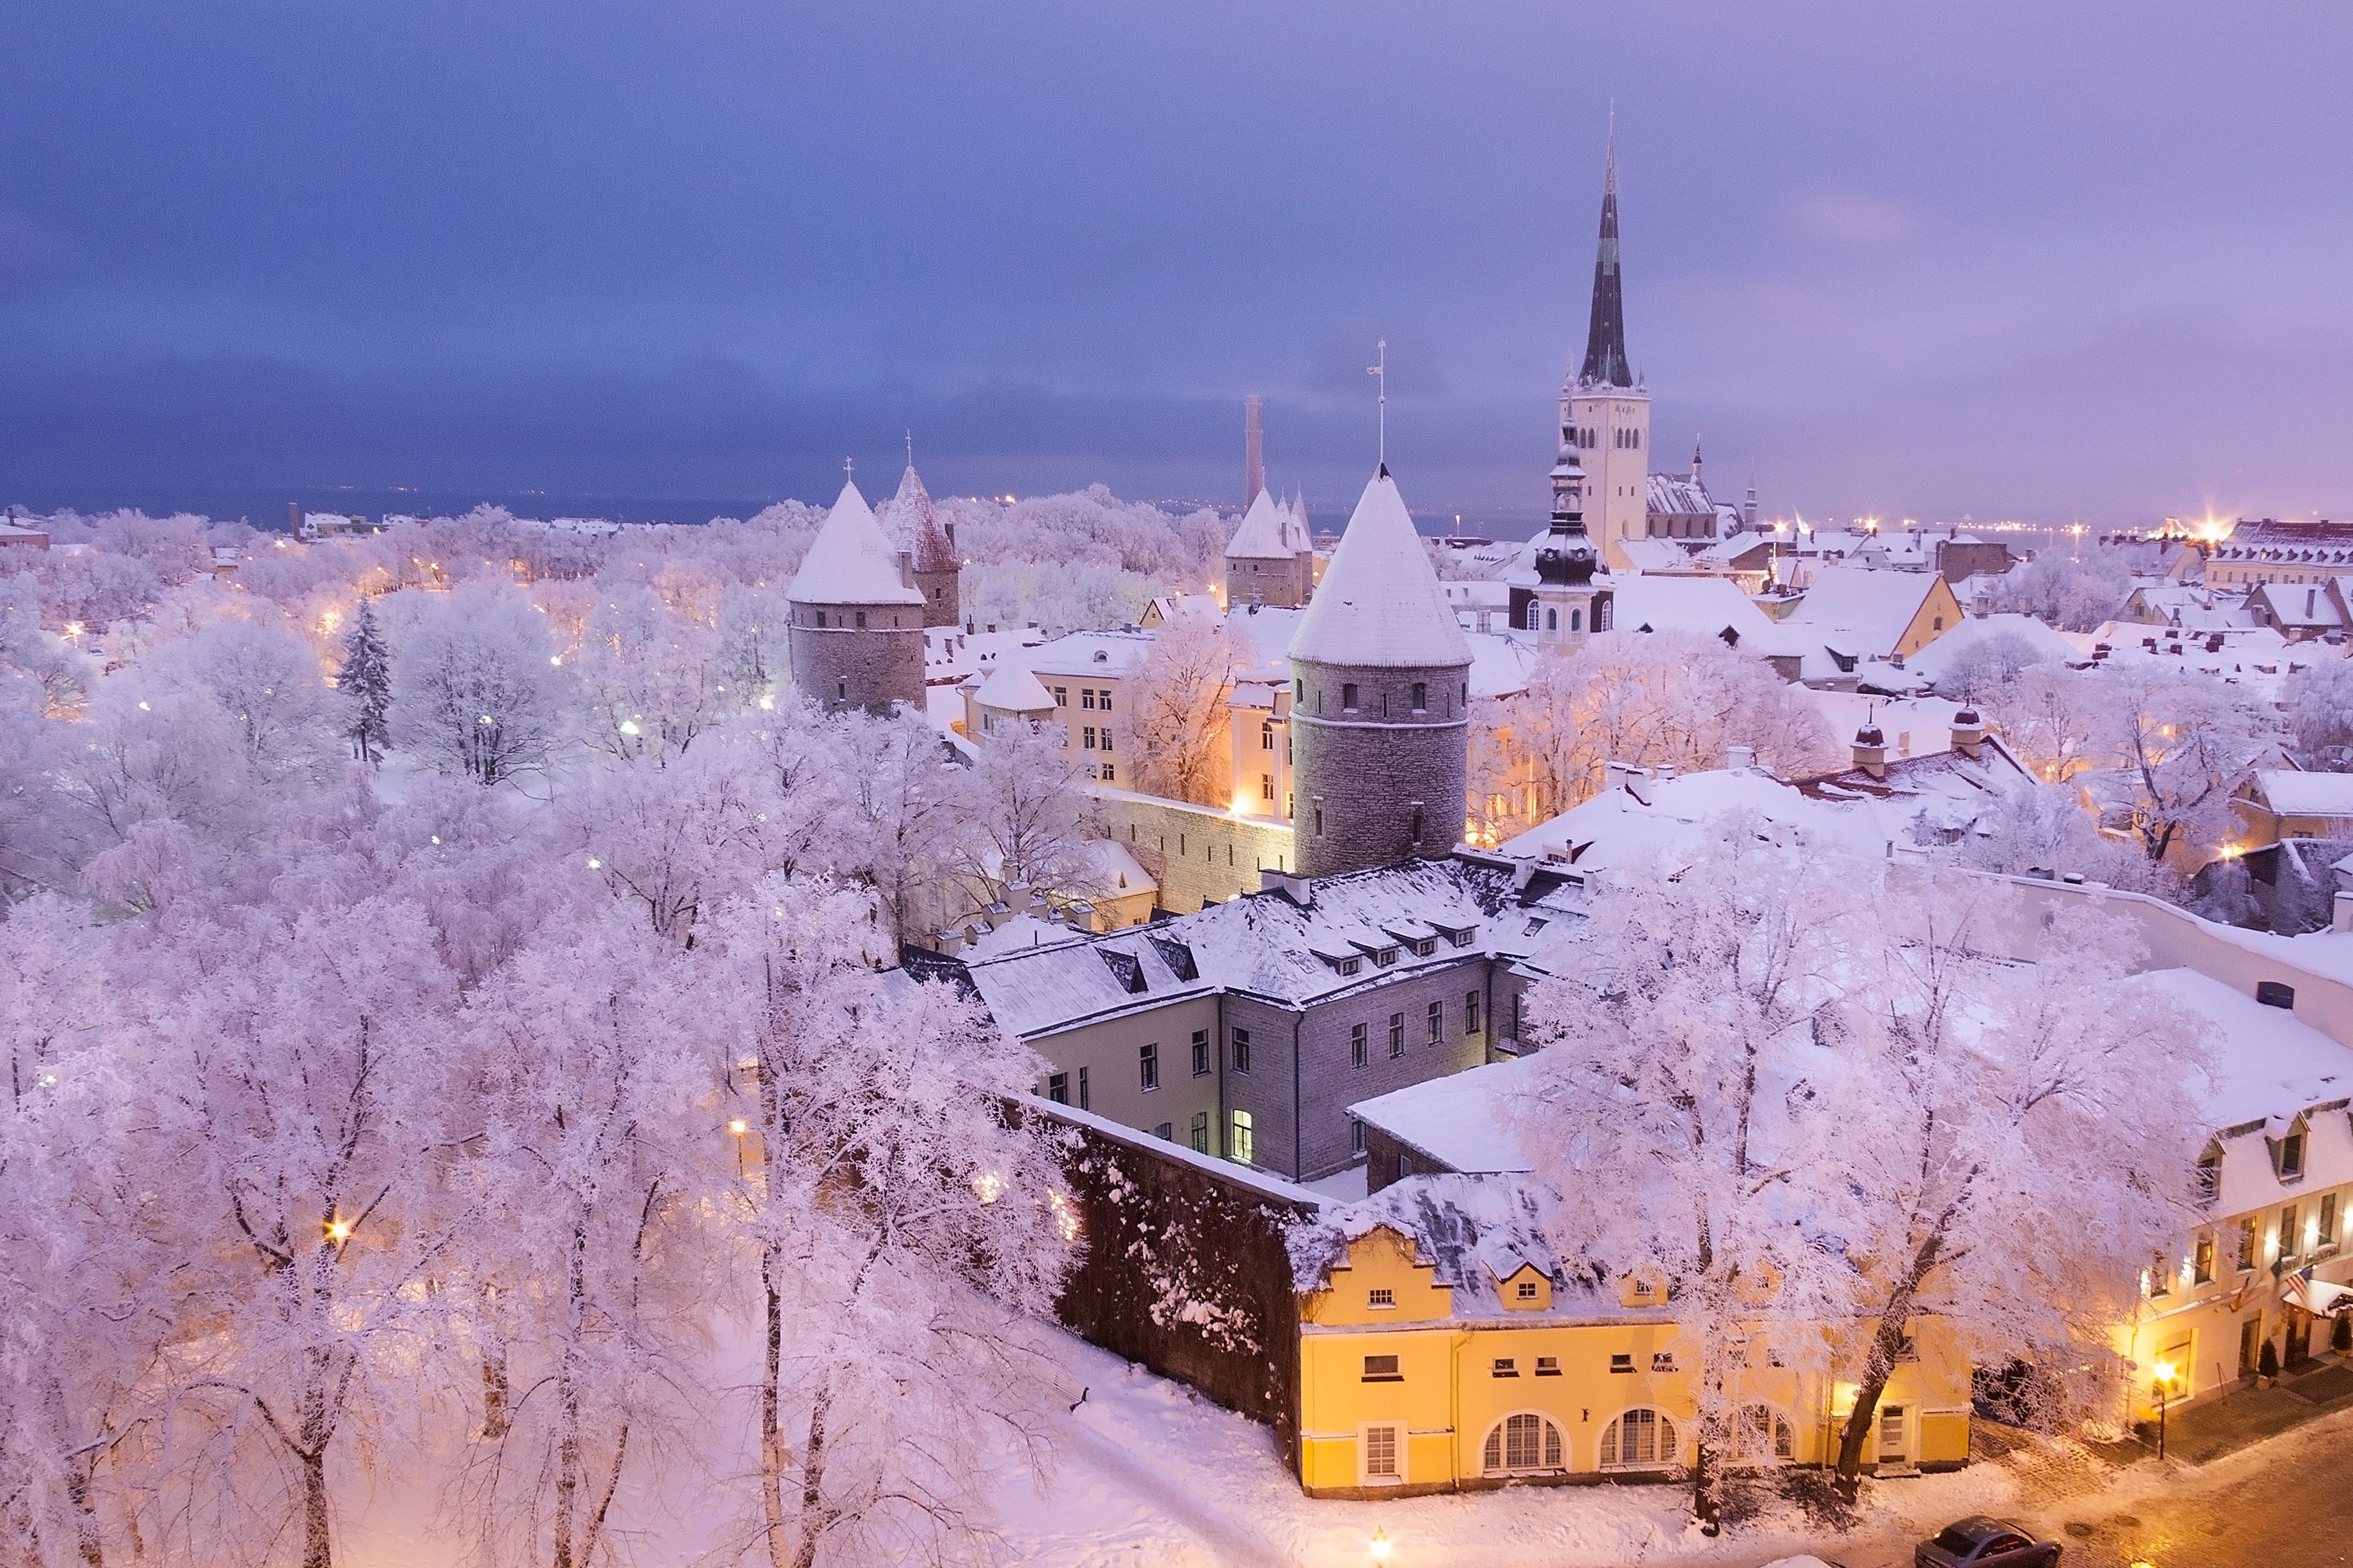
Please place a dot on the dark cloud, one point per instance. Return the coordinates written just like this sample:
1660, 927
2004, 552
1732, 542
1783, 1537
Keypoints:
1885, 256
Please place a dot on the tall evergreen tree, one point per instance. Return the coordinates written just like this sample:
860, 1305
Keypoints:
366, 686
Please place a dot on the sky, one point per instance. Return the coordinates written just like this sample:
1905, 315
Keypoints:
1995, 259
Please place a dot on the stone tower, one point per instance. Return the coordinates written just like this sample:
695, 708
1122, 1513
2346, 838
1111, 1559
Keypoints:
1379, 700
1604, 408
1269, 560
931, 549
1568, 606
857, 623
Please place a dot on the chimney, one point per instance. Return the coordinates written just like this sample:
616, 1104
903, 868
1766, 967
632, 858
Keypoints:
906, 569
1738, 758
294, 518
1253, 450
1300, 890
1968, 733
1871, 751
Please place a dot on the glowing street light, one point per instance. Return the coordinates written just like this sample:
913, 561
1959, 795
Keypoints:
2164, 1375
339, 1230
1380, 1544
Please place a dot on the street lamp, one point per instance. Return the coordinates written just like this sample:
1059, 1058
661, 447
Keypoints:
2165, 1370
1380, 1544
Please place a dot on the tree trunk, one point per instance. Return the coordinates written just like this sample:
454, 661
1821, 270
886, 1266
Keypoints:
318, 1548
773, 1454
814, 1517
1707, 1506
1886, 1346
567, 1435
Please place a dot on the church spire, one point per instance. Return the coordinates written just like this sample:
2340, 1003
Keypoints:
1605, 336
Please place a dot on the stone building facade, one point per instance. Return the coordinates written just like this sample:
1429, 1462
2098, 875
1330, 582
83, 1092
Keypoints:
857, 633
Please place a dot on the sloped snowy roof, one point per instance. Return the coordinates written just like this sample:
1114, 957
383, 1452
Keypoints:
2290, 793
1500, 663
1260, 636
913, 524
1013, 690
1680, 496
1264, 531
1706, 605
1659, 555
1873, 607
1458, 1120
1298, 537
1674, 816
1082, 654
850, 562
1938, 658
2268, 1061
1378, 605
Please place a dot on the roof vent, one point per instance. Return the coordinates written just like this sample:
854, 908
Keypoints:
1125, 968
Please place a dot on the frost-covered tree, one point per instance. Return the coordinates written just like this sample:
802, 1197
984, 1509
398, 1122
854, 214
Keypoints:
905, 1218
147, 750
753, 651
1650, 698
1176, 720
674, 844
1671, 1102
2010, 1163
2045, 827
653, 679
2181, 744
1029, 822
2075, 591
268, 684
365, 686
1987, 667
599, 1147
29, 653
910, 818
2317, 702
476, 689
2049, 717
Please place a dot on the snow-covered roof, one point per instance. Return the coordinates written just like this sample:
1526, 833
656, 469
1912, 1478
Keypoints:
2290, 793
1678, 495
2268, 1061
1265, 532
1500, 663
850, 562
913, 524
1296, 532
1458, 1120
1872, 608
1082, 654
1013, 690
1936, 660
1707, 607
1677, 816
1259, 637
1378, 605
1945, 792
1658, 554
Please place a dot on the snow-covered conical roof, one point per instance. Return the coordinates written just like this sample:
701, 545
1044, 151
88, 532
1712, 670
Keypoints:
1297, 537
915, 525
851, 563
1379, 604
1013, 690
1262, 535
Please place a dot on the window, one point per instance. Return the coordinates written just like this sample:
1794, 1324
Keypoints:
1638, 1439
1396, 1034
1089, 742
1470, 1012
2272, 993
1241, 1050
1525, 1290
861, 620
2201, 1256
1058, 1089
1107, 772
2247, 1242
2327, 1243
1347, 965
1420, 696
1319, 833
1381, 1454
2288, 1238
1356, 1136
1437, 1021
1385, 956
1381, 1297
1087, 699
1382, 1369
1424, 947
1347, 697
1547, 1366
1147, 1066
1357, 1055
1102, 700
1107, 738
1201, 1130
2291, 1157
1266, 787
1166, 1132
1523, 1442
1762, 1435
1663, 1360
1241, 1142
1621, 1363
1086, 1099
1505, 1366
2160, 1276
2210, 1175
1266, 735
1061, 697
1200, 1053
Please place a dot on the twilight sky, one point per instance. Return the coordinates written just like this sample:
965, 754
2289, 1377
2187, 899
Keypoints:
2005, 258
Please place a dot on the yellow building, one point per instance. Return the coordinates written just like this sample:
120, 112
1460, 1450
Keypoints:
2278, 1176
1444, 1347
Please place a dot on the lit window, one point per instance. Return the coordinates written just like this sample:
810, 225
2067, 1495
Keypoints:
1380, 1296
1523, 1442
1242, 1141
1639, 1438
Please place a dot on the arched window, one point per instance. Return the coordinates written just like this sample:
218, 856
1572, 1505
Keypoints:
1552, 620
1576, 620
1522, 1443
1533, 623
1641, 1439
1761, 1436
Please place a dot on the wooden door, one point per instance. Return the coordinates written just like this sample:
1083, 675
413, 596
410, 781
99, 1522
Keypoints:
2299, 1336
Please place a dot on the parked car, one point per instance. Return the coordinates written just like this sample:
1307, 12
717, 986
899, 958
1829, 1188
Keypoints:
1981, 1542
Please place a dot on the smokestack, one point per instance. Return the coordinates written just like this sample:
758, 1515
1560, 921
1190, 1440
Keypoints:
294, 518
1871, 751
1254, 449
1968, 733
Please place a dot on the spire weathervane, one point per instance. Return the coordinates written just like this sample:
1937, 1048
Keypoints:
1379, 370
911, 449
845, 475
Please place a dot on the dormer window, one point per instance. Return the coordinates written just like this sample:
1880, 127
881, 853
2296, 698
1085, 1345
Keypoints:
1350, 965
2210, 1175
1527, 1291
2290, 1157
1385, 956
1424, 947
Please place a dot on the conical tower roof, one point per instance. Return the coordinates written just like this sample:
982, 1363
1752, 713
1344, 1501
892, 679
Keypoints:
851, 562
1261, 535
1604, 333
915, 525
1379, 605
1297, 537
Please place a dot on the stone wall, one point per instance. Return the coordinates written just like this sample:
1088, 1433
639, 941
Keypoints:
1183, 1269
1198, 854
841, 665
1380, 784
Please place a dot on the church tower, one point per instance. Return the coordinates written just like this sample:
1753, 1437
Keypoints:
1379, 699
1604, 410
857, 633
1568, 607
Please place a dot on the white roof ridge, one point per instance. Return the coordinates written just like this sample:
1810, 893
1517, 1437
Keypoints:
850, 562
1379, 604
